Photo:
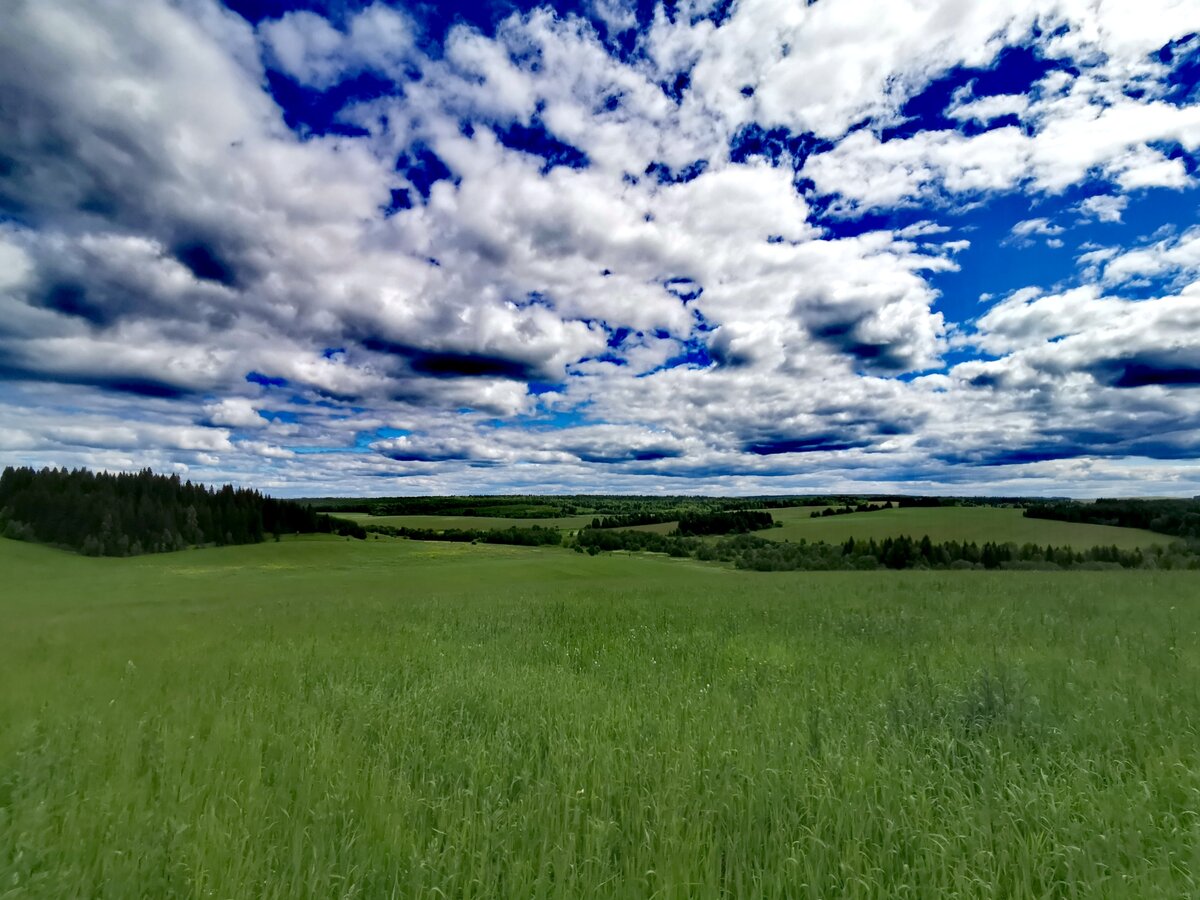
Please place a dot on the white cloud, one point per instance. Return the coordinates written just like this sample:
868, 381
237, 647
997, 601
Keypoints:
176, 236
1176, 257
311, 50
985, 109
922, 229
235, 412
875, 55
1072, 141
618, 15
1028, 227
1104, 207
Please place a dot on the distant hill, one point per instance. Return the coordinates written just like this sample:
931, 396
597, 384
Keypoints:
105, 514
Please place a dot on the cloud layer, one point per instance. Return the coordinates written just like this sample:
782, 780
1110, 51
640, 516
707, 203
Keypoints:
722, 248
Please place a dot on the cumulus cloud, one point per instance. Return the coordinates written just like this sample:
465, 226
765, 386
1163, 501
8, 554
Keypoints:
311, 50
1176, 258
1104, 207
536, 250
236, 412
1026, 227
986, 109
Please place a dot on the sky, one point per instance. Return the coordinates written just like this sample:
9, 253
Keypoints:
747, 247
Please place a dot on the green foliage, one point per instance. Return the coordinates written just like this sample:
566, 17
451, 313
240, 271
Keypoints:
1180, 518
103, 514
749, 551
850, 510
739, 521
534, 536
320, 718
595, 540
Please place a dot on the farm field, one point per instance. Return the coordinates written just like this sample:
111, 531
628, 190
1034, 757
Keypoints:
656, 528
332, 718
467, 523
781, 514
954, 523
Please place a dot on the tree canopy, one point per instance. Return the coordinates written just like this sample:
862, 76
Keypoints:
126, 514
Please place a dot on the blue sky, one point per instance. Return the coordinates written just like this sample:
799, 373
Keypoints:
693, 247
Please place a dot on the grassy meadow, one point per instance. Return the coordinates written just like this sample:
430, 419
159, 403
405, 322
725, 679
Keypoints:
465, 523
331, 718
954, 523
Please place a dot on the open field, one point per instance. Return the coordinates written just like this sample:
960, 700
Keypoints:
954, 523
785, 513
327, 718
467, 523
656, 528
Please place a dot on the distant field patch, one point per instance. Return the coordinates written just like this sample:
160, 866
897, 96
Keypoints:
799, 513
954, 523
465, 523
657, 528
787, 514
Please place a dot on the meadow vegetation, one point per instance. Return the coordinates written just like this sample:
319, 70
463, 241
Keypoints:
332, 718
955, 523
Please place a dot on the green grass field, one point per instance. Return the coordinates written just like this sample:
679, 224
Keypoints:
953, 523
330, 718
468, 523
657, 527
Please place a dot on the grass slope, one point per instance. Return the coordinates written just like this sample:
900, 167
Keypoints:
784, 514
966, 523
469, 523
324, 718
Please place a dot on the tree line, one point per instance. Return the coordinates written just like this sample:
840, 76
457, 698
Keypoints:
848, 510
1179, 518
739, 521
127, 514
905, 552
748, 551
531, 536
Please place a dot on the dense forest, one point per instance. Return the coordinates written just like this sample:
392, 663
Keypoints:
107, 514
908, 553
739, 521
1180, 518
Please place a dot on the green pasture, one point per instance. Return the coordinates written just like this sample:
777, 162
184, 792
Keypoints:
954, 523
786, 513
326, 718
466, 523
657, 527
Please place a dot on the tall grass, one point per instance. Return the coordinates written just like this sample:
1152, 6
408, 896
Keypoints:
331, 719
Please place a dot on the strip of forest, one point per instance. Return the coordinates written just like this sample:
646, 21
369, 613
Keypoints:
748, 551
128, 514
1178, 518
